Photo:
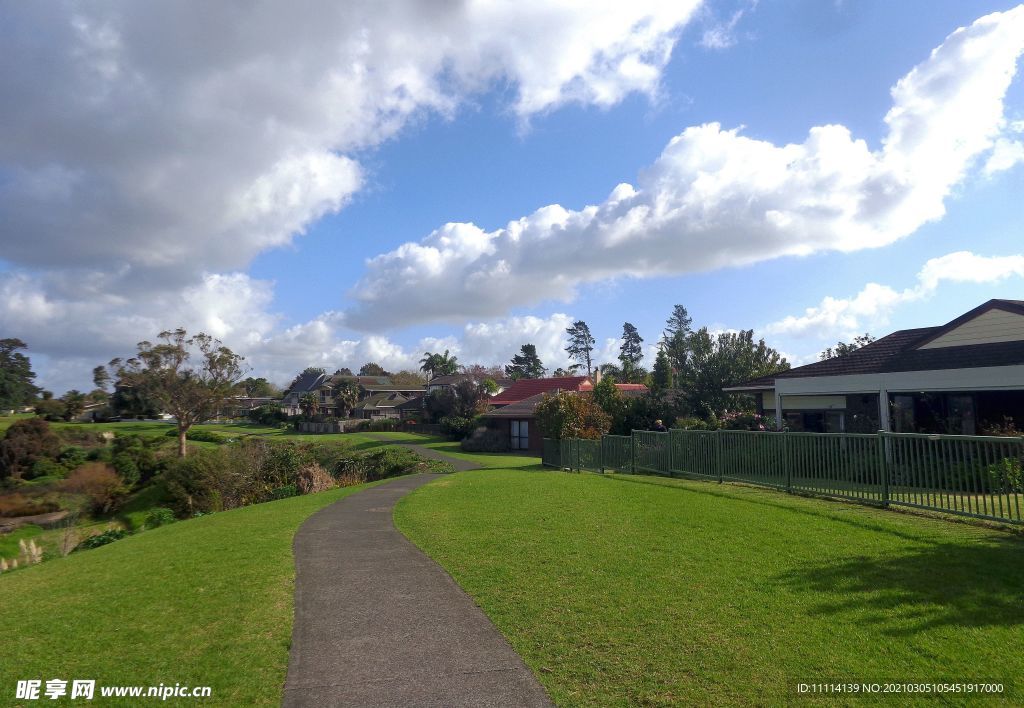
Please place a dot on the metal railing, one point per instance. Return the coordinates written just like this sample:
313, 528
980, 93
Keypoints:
976, 476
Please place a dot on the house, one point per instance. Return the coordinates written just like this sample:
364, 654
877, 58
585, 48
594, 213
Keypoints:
325, 387
380, 405
512, 412
448, 381
307, 382
964, 377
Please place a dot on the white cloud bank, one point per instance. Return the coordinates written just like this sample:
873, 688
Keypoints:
715, 198
847, 317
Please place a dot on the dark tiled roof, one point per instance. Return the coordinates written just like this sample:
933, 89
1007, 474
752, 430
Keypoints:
524, 388
381, 400
900, 351
308, 381
450, 379
413, 404
520, 409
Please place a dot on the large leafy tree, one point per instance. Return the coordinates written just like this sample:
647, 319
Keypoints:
16, 376
571, 415
728, 359
631, 353
26, 442
190, 376
526, 364
372, 369
257, 388
74, 403
581, 345
101, 377
407, 378
844, 348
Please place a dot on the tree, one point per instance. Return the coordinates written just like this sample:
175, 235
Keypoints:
526, 364
190, 377
675, 339
631, 353
407, 378
16, 376
74, 403
439, 364
571, 415
842, 348
344, 371
471, 398
479, 371
258, 388
581, 344
371, 369
346, 396
309, 403
25, 443
101, 377
728, 359
662, 379
571, 371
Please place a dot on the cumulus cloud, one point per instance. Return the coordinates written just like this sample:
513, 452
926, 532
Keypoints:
716, 198
178, 138
872, 306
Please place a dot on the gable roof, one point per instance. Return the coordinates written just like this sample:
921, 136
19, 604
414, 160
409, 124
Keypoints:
525, 388
308, 381
381, 400
901, 351
520, 409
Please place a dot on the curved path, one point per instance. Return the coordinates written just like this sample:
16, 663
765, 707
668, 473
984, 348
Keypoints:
378, 623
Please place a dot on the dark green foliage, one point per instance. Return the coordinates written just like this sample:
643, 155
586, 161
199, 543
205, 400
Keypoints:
440, 403
526, 364
581, 344
268, 414
72, 457
486, 440
101, 539
844, 348
16, 376
729, 359
384, 424
631, 353
640, 414
676, 338
101, 377
26, 442
200, 435
439, 364
160, 516
74, 403
50, 409
47, 467
288, 490
372, 369
457, 427
126, 469
138, 458
662, 378
257, 387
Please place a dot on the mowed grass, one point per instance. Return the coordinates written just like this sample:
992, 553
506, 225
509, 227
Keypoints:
204, 602
637, 591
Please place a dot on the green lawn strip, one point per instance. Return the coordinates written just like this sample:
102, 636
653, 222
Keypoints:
495, 460
204, 602
624, 592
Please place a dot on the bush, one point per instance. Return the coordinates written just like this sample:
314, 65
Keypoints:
285, 492
101, 539
268, 414
456, 427
199, 435
46, 467
99, 483
694, 423
571, 415
384, 424
1007, 476
26, 442
126, 469
314, 478
18, 504
486, 440
384, 464
160, 516
137, 458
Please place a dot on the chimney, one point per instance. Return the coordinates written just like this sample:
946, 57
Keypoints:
597, 375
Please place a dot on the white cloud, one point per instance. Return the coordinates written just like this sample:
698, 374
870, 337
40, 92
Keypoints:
181, 138
722, 34
715, 198
872, 306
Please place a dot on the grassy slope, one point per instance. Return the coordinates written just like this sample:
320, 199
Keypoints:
633, 591
200, 602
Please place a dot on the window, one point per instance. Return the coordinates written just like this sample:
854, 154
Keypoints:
520, 435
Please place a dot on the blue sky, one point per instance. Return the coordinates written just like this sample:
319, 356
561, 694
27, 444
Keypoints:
274, 254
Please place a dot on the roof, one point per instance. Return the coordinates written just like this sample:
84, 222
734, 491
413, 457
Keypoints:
308, 381
525, 388
413, 404
453, 379
381, 400
520, 409
626, 388
900, 351
364, 381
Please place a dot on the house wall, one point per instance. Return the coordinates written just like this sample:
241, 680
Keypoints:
803, 403
504, 427
994, 378
987, 328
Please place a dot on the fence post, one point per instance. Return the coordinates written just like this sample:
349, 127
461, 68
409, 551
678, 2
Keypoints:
671, 464
601, 451
718, 454
632, 452
787, 459
883, 463
578, 468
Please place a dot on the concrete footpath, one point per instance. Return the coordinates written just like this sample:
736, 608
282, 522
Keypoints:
378, 623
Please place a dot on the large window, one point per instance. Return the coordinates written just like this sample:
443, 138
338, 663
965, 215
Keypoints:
520, 435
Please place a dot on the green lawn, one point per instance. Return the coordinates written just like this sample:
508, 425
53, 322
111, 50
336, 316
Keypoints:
495, 460
204, 602
637, 591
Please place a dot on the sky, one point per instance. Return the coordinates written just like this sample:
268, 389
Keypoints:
368, 181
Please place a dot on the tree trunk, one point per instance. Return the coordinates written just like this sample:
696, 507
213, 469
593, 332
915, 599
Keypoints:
182, 441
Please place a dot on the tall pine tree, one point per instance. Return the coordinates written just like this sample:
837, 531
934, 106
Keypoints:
526, 364
631, 353
581, 344
675, 340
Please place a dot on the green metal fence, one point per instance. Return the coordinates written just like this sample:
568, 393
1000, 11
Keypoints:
974, 476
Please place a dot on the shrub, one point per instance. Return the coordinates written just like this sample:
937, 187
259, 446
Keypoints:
694, 423
456, 427
1007, 476
72, 457
26, 442
18, 504
99, 483
313, 478
138, 452
126, 468
160, 516
486, 440
288, 490
199, 435
46, 467
101, 539
571, 415
384, 424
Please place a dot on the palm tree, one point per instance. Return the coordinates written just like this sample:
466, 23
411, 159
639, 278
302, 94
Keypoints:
428, 364
310, 404
446, 365
347, 396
